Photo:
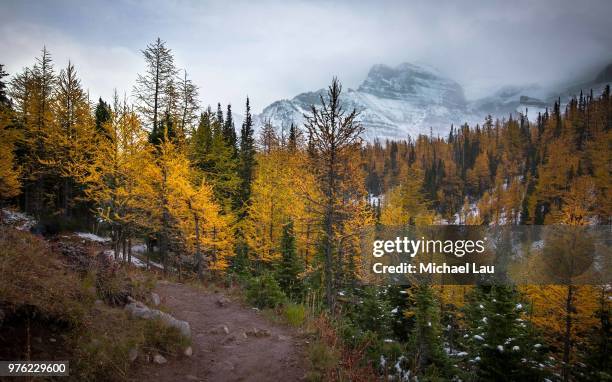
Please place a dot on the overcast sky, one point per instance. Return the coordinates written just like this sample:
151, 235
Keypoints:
276, 49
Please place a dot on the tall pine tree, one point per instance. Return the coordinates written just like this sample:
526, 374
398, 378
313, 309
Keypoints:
246, 161
289, 267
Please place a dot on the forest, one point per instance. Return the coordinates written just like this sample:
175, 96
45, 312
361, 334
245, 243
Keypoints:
278, 213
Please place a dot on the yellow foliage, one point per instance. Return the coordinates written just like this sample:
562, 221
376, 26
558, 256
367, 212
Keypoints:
282, 189
405, 204
115, 171
549, 304
190, 205
166, 187
9, 171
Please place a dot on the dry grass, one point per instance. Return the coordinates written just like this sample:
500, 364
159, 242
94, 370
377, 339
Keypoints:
32, 275
52, 289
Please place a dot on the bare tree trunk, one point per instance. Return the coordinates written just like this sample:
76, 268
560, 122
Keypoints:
149, 249
214, 251
567, 338
124, 249
164, 235
130, 251
116, 237
198, 253
329, 229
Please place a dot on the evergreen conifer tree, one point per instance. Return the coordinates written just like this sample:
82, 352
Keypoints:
289, 268
163, 130
292, 143
229, 130
201, 141
427, 333
246, 160
502, 343
221, 165
103, 115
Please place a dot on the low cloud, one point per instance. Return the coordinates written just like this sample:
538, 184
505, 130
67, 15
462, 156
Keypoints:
276, 49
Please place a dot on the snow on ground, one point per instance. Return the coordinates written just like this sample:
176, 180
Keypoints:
18, 219
139, 248
137, 262
92, 237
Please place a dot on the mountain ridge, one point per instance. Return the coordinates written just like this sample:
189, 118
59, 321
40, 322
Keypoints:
411, 99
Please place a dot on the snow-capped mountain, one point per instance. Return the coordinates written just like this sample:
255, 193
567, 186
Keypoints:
409, 99
393, 102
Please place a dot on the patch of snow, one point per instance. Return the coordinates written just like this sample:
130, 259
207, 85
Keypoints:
92, 237
139, 248
21, 221
500, 348
135, 260
395, 310
478, 337
516, 348
537, 346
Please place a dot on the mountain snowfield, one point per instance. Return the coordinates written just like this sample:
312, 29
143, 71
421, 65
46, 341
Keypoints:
408, 100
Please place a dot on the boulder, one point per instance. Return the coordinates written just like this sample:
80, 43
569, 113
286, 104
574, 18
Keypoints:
133, 354
140, 310
155, 299
159, 359
222, 301
258, 332
188, 352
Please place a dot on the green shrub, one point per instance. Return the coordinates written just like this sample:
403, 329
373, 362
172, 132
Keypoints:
322, 358
264, 292
165, 339
295, 314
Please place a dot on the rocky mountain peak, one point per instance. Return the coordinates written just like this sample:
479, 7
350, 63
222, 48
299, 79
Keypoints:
407, 81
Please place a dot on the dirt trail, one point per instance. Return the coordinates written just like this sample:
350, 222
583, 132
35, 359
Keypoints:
274, 355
